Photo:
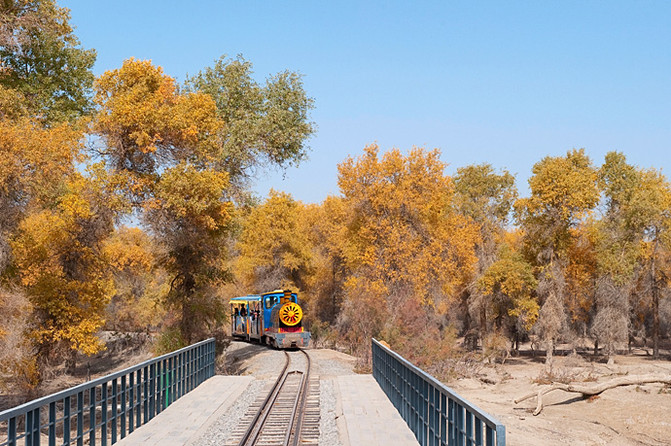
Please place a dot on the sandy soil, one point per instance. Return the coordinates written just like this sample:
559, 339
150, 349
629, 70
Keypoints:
633, 415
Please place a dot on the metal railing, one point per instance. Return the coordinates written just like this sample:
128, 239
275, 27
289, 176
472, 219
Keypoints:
434, 412
107, 409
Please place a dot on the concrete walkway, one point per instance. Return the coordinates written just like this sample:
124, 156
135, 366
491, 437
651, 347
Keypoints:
366, 416
191, 415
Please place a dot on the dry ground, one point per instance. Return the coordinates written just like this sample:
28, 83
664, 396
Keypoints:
633, 415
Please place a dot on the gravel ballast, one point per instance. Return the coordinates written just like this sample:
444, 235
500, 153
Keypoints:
265, 364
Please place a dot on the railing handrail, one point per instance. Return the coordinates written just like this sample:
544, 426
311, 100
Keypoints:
433, 411
47, 399
441, 386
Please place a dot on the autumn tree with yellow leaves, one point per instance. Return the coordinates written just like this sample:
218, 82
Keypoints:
274, 249
407, 251
563, 190
139, 282
486, 197
653, 200
58, 257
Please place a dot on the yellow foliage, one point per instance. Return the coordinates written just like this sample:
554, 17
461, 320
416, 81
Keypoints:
563, 191
274, 247
146, 121
193, 196
35, 160
58, 258
510, 284
401, 232
129, 249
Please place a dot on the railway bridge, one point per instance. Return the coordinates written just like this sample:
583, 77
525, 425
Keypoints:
176, 399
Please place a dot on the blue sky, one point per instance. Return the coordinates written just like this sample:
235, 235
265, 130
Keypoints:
505, 83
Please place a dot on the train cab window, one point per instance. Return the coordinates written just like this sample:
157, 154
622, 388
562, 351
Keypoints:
270, 302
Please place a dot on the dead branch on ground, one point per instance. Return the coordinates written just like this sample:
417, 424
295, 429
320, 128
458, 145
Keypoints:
595, 389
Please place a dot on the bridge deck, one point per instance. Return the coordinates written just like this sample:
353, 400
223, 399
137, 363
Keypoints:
365, 415
188, 417
369, 417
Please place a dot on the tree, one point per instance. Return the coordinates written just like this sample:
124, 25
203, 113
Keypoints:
581, 276
653, 203
275, 251
58, 255
139, 282
509, 284
34, 165
487, 198
162, 144
327, 232
563, 191
405, 248
42, 61
146, 125
261, 123
617, 239
189, 215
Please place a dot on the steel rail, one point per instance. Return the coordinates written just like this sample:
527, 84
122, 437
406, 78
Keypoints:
267, 403
297, 419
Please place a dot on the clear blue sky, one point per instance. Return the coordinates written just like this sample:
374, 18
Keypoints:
505, 82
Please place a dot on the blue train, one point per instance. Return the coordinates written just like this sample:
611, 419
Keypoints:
273, 318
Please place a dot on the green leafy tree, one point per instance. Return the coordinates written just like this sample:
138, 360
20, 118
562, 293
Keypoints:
42, 62
262, 124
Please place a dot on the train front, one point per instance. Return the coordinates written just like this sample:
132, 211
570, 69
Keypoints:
287, 321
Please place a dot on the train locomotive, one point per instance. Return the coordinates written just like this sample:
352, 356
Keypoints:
274, 318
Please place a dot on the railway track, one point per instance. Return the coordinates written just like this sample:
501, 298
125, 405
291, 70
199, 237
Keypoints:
289, 413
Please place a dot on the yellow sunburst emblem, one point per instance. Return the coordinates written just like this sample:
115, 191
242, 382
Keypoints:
291, 314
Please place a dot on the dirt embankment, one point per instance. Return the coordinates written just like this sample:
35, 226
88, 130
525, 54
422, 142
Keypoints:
122, 350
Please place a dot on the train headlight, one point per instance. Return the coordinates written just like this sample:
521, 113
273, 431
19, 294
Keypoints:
291, 314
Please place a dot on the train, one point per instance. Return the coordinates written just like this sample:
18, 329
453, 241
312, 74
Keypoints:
274, 318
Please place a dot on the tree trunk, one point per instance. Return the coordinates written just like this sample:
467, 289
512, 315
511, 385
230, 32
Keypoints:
550, 345
71, 363
655, 322
655, 304
483, 322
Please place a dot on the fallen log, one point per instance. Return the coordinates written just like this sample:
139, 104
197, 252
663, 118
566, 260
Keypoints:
595, 389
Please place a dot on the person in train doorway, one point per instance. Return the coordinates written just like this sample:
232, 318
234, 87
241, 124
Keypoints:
243, 316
